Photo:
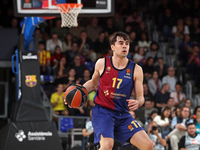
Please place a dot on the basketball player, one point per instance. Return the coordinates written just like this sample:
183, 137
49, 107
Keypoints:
116, 77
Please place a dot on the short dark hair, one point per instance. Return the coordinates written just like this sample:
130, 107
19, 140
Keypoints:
179, 83
113, 37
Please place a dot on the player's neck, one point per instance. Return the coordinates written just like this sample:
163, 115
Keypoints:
119, 63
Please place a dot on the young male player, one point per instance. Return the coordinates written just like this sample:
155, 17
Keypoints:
116, 77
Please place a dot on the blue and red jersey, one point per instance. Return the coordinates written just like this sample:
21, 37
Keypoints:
115, 86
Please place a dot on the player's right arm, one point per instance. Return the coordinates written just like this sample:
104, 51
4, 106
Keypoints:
99, 67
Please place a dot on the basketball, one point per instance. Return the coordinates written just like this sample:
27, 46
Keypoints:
76, 95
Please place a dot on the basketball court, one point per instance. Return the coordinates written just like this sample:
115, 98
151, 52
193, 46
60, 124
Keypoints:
31, 126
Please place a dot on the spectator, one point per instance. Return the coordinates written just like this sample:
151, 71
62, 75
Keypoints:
93, 29
179, 97
61, 71
118, 21
196, 110
57, 101
134, 18
176, 112
197, 123
71, 78
170, 104
162, 96
86, 76
143, 42
179, 31
148, 68
56, 56
58, 30
179, 128
133, 42
139, 57
161, 68
45, 59
79, 68
88, 133
53, 42
170, 79
190, 141
76, 31
154, 83
156, 136
109, 26
194, 64
188, 103
147, 93
148, 108
154, 53
166, 23
101, 45
70, 54
142, 28
195, 30
128, 28
185, 49
86, 47
163, 120
67, 43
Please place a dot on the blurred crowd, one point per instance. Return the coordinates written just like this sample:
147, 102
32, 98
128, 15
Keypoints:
68, 56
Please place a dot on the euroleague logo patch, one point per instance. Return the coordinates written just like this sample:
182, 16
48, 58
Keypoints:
128, 72
130, 127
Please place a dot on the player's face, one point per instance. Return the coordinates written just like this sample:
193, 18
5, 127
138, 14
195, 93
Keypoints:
121, 47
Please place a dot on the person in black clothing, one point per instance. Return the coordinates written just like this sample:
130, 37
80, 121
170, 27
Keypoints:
161, 97
190, 141
79, 68
161, 68
101, 45
148, 68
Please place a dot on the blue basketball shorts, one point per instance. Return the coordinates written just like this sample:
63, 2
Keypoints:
120, 126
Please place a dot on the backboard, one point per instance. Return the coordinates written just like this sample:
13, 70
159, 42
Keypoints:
48, 7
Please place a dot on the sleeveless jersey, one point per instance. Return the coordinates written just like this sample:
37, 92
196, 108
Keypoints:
115, 86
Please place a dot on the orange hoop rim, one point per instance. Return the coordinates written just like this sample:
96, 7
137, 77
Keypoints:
72, 5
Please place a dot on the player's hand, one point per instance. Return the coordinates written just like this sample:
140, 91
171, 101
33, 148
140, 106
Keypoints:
66, 103
132, 104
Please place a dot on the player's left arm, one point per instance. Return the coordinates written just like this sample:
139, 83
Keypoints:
138, 79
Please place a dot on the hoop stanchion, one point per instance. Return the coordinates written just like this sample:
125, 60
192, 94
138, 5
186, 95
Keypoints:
69, 13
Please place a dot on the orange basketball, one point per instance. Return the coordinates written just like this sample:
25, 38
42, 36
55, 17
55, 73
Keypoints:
76, 95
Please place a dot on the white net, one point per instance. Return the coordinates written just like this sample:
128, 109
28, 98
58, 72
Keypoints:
69, 14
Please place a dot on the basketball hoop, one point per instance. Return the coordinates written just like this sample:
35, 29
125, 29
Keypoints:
69, 13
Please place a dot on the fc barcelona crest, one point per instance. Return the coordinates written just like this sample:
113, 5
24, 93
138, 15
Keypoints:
31, 80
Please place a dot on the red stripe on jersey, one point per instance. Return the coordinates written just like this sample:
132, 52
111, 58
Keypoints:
104, 97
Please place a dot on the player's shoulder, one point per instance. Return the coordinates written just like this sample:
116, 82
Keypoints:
100, 62
138, 68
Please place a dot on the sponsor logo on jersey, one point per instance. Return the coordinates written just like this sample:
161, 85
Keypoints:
128, 72
106, 92
31, 80
130, 127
